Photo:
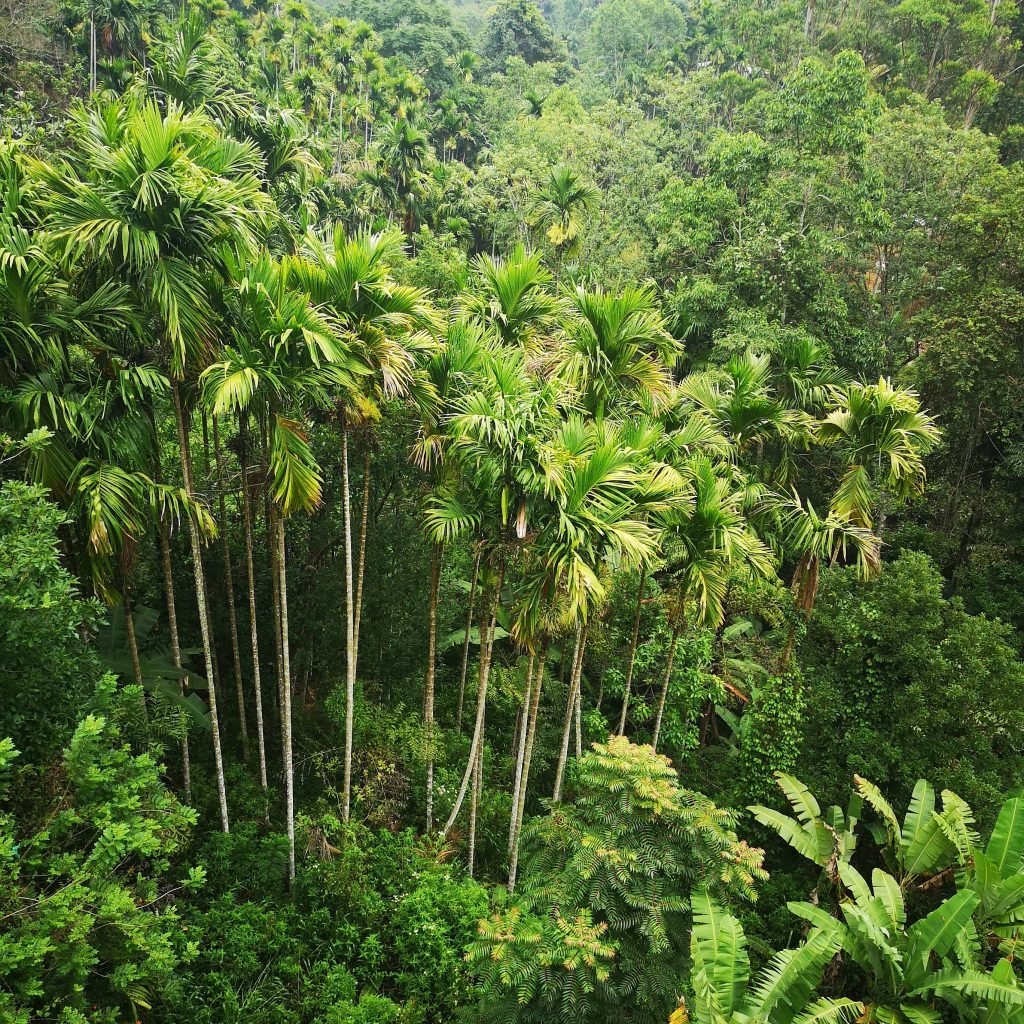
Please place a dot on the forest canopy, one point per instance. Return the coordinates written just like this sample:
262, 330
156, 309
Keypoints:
511, 512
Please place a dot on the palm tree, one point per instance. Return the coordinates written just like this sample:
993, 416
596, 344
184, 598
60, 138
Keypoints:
499, 441
510, 299
558, 210
881, 436
620, 353
404, 150
390, 330
705, 544
131, 163
447, 372
286, 354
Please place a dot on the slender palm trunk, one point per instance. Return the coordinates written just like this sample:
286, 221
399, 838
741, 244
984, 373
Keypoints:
250, 580
474, 803
204, 621
286, 696
229, 583
487, 624
133, 644
632, 653
275, 591
520, 746
172, 628
578, 713
172, 609
664, 686
531, 733
465, 643
570, 708
350, 663
361, 563
428, 686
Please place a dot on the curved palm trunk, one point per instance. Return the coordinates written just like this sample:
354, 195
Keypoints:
350, 664
664, 686
229, 583
250, 580
286, 697
570, 709
204, 621
465, 643
632, 654
428, 686
478, 781
361, 564
519, 806
488, 621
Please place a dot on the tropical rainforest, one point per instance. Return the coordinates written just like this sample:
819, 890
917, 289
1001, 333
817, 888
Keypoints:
511, 512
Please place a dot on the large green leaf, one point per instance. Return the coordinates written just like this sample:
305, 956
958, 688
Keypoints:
719, 951
1006, 847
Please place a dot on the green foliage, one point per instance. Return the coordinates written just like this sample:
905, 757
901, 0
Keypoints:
89, 891
618, 861
47, 662
907, 685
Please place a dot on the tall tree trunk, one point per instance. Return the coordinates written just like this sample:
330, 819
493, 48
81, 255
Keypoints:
524, 781
271, 528
229, 583
465, 643
250, 581
578, 713
664, 686
133, 644
474, 803
488, 621
632, 653
204, 621
350, 664
428, 686
361, 564
286, 695
172, 628
570, 708
520, 745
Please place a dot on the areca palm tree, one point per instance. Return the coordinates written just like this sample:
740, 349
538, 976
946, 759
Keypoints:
619, 350
448, 372
558, 210
390, 330
286, 355
704, 544
499, 444
741, 402
881, 435
607, 486
133, 163
511, 298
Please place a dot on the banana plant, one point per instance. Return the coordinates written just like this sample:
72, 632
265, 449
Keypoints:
827, 838
926, 972
996, 876
782, 993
